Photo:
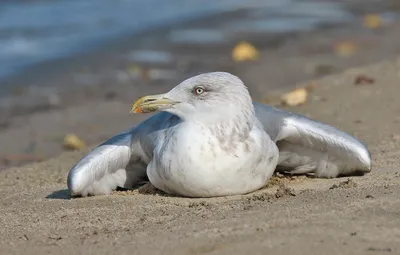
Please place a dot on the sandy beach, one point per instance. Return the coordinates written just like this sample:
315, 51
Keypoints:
90, 95
292, 215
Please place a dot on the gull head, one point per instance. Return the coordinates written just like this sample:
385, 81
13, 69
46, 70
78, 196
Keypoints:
209, 97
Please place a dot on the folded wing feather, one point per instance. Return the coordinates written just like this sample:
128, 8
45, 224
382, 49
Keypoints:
120, 161
307, 146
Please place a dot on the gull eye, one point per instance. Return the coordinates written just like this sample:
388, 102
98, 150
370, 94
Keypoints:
198, 90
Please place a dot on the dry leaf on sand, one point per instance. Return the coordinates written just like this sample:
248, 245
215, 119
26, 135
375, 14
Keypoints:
244, 51
345, 49
73, 142
295, 97
372, 21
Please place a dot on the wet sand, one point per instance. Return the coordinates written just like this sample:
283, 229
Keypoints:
356, 215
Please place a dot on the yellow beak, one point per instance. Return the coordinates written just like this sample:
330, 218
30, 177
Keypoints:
152, 103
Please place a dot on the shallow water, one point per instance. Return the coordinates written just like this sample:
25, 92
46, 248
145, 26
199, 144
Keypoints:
36, 31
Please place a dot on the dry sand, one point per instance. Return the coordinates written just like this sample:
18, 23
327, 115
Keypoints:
356, 215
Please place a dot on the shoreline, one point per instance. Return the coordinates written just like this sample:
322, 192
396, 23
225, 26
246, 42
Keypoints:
99, 65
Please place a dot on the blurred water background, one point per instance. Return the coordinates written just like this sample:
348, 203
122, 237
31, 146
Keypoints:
73, 43
37, 31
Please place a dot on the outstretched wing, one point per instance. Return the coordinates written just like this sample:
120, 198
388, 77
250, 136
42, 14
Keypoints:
121, 161
308, 146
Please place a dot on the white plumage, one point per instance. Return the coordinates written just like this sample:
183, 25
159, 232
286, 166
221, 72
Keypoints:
211, 140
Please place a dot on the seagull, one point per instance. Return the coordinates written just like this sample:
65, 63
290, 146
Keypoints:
208, 138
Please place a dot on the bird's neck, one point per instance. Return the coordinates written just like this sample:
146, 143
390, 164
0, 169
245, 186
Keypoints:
230, 127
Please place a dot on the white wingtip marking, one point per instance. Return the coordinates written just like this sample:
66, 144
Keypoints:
74, 183
365, 158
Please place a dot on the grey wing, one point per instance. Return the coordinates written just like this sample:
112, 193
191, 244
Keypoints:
121, 161
308, 146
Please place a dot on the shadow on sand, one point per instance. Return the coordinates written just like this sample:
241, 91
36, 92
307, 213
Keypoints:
60, 194
145, 188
